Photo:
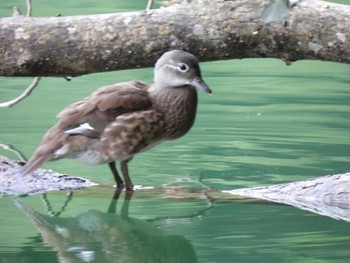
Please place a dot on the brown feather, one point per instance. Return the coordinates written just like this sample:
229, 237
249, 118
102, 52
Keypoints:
131, 133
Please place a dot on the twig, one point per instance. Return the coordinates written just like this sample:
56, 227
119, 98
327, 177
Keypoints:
48, 206
16, 12
25, 94
149, 4
10, 148
29, 8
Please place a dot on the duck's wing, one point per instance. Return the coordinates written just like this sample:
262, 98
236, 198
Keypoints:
132, 133
103, 105
89, 117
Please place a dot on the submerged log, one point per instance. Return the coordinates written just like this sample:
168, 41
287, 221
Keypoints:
327, 195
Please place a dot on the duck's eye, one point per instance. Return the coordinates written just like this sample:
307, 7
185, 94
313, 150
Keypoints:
182, 67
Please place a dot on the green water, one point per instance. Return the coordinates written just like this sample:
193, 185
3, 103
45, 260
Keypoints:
266, 123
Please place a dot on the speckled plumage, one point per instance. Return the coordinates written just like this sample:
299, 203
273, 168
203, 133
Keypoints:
118, 121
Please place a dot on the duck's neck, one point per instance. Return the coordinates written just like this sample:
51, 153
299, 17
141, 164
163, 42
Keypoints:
179, 105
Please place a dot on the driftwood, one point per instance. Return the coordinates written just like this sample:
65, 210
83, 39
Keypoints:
210, 29
327, 195
13, 183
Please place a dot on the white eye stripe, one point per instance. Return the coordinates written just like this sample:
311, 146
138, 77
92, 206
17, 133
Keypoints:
170, 66
182, 67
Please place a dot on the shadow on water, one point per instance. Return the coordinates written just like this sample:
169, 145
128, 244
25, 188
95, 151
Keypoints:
98, 236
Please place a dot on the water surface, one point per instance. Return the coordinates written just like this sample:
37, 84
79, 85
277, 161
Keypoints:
266, 123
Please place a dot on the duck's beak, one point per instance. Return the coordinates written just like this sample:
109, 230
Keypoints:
199, 84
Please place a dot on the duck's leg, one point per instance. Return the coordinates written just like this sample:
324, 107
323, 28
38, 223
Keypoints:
124, 169
112, 209
117, 178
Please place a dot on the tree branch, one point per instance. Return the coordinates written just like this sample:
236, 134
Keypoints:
29, 8
210, 29
149, 4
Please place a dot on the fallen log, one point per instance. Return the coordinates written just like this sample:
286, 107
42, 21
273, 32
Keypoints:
210, 29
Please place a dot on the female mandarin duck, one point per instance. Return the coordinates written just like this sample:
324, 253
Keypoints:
118, 121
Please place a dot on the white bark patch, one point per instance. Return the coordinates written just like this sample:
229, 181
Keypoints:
341, 37
21, 34
24, 57
71, 30
314, 47
127, 20
198, 30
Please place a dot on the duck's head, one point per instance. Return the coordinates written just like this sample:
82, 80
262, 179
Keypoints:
179, 68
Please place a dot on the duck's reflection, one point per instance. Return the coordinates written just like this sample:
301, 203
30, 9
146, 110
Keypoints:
96, 236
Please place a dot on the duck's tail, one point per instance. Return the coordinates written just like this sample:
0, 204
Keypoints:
39, 157
51, 141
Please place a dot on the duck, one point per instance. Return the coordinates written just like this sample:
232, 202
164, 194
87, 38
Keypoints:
118, 121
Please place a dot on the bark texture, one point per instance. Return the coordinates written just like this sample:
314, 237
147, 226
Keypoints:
210, 29
12, 182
